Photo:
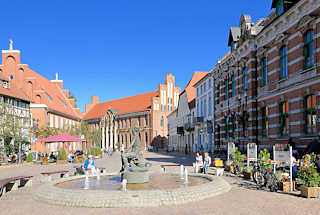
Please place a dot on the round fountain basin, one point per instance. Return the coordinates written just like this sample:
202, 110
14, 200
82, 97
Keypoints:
156, 182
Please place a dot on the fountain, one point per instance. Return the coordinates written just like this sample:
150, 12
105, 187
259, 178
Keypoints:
134, 167
135, 186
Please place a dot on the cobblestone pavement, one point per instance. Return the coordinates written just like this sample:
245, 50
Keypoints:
242, 199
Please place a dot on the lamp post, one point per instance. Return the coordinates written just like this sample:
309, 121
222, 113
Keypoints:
35, 123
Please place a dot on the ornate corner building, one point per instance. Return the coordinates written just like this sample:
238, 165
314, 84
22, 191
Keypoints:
147, 111
267, 87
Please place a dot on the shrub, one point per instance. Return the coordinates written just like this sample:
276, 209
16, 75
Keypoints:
248, 169
29, 158
264, 157
238, 158
59, 156
64, 155
307, 173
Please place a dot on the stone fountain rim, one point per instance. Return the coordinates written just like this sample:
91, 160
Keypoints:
51, 194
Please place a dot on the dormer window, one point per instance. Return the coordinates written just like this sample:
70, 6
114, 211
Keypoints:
279, 7
5, 84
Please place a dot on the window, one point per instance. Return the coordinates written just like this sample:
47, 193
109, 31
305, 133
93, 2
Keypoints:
265, 121
51, 121
209, 83
310, 114
146, 137
61, 122
227, 127
205, 107
162, 121
170, 100
49, 98
130, 123
139, 121
218, 94
284, 123
279, 7
209, 104
56, 123
264, 71
233, 120
245, 79
233, 86
245, 123
308, 49
283, 62
197, 107
146, 120
197, 91
226, 89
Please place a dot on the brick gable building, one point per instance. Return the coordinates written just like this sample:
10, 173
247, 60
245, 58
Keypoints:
267, 88
146, 111
50, 103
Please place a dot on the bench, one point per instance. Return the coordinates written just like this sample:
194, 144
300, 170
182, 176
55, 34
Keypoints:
101, 170
163, 167
17, 181
46, 176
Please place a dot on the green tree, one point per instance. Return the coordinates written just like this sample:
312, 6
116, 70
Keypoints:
14, 129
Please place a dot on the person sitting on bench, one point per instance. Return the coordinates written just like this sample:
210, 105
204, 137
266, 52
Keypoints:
90, 165
198, 164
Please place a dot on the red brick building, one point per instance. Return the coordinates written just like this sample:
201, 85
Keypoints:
267, 87
147, 111
50, 103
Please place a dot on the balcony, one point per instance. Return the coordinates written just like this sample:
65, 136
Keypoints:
180, 130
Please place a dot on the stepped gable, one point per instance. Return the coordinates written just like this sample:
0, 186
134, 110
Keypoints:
44, 86
13, 91
131, 104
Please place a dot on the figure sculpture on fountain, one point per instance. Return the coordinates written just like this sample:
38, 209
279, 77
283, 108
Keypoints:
134, 167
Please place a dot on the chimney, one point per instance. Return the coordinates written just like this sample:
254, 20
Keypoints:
58, 82
66, 93
94, 100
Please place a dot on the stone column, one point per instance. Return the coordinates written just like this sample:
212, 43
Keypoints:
115, 134
107, 138
103, 139
111, 136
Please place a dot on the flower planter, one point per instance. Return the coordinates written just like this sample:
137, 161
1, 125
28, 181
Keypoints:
61, 162
247, 175
310, 192
44, 162
285, 186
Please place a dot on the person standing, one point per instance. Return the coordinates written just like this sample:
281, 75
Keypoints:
207, 162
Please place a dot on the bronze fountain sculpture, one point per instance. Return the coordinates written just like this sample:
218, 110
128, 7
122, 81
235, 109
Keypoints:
134, 167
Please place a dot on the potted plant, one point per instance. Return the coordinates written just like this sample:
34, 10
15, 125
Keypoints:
247, 172
228, 165
62, 157
308, 177
237, 158
44, 161
284, 179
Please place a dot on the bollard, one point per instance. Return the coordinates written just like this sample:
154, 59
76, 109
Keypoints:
181, 171
186, 176
124, 185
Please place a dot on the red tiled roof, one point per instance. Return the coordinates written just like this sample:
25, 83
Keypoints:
13, 91
191, 91
55, 93
125, 105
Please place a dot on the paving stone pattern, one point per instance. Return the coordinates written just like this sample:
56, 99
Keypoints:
242, 199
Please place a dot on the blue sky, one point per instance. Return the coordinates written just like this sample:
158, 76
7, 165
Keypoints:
119, 48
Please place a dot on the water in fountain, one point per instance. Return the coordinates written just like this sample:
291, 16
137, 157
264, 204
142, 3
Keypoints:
181, 171
186, 176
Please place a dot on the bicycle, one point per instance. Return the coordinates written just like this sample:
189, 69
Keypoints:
264, 177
